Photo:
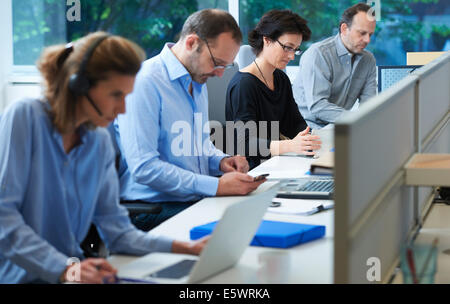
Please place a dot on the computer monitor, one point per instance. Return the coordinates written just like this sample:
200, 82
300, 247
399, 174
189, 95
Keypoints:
391, 74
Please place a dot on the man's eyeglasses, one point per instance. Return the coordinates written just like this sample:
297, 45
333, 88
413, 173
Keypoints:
217, 66
289, 49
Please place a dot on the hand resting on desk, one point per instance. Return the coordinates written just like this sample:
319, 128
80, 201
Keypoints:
303, 143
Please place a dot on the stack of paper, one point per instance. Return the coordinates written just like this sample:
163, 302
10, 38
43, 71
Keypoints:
324, 164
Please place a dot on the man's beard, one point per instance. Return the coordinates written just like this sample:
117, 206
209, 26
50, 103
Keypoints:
195, 70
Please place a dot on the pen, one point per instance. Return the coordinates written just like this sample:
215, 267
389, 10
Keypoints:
118, 280
275, 204
410, 258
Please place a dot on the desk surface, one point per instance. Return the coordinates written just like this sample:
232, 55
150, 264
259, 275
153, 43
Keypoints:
308, 263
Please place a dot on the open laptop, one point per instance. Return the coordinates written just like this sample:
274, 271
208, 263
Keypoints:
307, 188
228, 241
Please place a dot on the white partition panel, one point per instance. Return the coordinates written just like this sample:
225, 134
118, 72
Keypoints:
374, 211
372, 146
434, 106
434, 94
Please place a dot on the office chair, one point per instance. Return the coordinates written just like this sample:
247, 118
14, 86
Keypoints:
245, 56
133, 208
217, 90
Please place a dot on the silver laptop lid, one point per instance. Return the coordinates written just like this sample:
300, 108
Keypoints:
232, 234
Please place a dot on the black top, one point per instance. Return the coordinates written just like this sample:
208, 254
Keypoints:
249, 99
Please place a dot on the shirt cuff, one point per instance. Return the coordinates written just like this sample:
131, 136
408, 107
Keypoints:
206, 185
163, 244
214, 164
56, 269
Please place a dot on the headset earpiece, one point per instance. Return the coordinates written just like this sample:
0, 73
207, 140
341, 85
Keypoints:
79, 84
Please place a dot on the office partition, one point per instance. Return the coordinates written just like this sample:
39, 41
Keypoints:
375, 212
433, 100
372, 146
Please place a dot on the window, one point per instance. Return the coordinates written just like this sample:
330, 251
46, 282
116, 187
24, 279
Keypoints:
39, 23
405, 25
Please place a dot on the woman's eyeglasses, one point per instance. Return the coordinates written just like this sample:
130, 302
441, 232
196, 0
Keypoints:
289, 49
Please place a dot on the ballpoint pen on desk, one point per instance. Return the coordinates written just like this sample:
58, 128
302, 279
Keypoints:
412, 267
275, 204
427, 259
122, 280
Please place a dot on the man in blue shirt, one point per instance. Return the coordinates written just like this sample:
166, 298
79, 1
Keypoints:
166, 154
337, 71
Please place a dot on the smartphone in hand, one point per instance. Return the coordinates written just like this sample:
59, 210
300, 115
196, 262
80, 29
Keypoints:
260, 177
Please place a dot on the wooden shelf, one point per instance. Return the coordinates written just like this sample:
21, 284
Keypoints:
428, 170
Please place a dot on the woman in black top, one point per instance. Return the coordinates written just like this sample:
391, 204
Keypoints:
260, 95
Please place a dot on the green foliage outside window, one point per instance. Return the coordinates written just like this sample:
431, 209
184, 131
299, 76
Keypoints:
406, 25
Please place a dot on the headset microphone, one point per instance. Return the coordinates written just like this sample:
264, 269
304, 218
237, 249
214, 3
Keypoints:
93, 104
79, 83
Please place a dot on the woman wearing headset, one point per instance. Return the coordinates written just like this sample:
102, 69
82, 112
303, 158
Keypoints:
57, 172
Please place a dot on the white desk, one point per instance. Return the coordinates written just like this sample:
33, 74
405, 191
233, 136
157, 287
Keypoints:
308, 263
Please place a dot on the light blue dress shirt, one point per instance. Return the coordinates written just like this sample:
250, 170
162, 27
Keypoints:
48, 199
327, 84
164, 136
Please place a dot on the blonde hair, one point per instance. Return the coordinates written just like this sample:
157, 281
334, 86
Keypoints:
57, 63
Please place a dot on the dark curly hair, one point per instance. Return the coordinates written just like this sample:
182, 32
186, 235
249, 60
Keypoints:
274, 24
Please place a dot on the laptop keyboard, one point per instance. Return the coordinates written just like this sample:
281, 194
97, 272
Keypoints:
175, 271
318, 186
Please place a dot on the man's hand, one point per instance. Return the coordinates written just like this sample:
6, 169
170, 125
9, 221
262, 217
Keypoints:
236, 183
236, 163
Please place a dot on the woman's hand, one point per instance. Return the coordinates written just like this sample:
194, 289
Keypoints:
304, 143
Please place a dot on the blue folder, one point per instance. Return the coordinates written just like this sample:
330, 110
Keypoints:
272, 234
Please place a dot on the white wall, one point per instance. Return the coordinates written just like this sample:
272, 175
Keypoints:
14, 92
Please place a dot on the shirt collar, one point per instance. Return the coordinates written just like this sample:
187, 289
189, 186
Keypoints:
340, 47
82, 130
174, 67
